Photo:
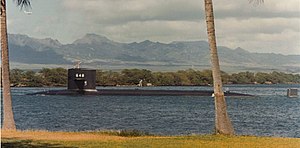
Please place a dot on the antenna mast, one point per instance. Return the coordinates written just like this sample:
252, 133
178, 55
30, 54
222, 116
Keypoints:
77, 64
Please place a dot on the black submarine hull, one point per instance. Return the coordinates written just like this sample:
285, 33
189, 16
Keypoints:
134, 92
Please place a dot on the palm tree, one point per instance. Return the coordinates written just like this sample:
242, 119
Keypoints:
223, 124
256, 2
8, 117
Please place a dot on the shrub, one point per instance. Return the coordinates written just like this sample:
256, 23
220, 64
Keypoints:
132, 133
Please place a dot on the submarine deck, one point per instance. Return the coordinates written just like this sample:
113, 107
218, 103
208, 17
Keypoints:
135, 92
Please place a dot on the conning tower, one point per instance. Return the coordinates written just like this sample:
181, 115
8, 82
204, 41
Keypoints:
81, 79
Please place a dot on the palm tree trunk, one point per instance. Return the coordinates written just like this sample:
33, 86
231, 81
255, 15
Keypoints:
222, 122
8, 117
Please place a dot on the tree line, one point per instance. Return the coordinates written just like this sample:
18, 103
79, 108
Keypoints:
58, 77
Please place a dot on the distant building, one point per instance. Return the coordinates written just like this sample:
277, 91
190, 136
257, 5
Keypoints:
140, 83
292, 92
268, 82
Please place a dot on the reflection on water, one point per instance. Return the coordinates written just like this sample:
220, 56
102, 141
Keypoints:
268, 113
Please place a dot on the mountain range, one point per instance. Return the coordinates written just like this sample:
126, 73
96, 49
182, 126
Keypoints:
96, 51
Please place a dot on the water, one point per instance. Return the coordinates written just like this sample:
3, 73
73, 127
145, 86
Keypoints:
268, 113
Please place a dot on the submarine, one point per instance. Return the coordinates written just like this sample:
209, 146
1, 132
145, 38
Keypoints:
82, 81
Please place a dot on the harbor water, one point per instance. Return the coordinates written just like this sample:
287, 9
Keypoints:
268, 113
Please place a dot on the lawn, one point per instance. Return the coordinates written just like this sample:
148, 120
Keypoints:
44, 139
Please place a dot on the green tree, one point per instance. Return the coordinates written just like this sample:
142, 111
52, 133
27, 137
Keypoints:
99, 79
181, 78
54, 76
32, 79
225, 77
163, 79
8, 117
207, 77
58, 76
108, 78
194, 77
261, 78
133, 76
243, 78
16, 77
46, 72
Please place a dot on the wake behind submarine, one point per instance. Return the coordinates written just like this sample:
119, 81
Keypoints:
82, 81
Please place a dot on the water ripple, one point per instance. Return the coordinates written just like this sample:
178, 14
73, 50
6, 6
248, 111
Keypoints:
269, 113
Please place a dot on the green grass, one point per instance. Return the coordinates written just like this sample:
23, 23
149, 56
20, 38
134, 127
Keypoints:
44, 139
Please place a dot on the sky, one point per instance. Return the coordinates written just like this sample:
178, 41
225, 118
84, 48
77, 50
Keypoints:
272, 27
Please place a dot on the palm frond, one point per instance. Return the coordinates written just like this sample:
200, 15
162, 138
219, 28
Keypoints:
23, 3
256, 2
2, 6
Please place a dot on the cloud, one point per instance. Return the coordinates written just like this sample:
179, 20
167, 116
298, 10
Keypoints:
257, 25
271, 27
162, 31
123, 11
270, 9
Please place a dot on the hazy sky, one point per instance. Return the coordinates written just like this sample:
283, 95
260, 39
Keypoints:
271, 27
